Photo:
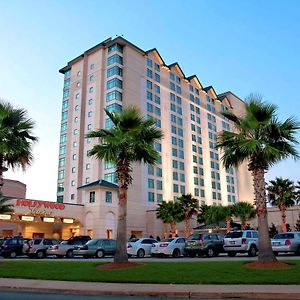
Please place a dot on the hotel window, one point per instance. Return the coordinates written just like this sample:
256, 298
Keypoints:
157, 99
150, 170
67, 82
196, 181
72, 196
92, 197
64, 115
156, 77
114, 108
175, 188
60, 187
92, 78
78, 73
178, 80
174, 140
114, 71
156, 67
64, 126
115, 47
149, 62
173, 107
174, 152
114, 95
108, 123
78, 84
159, 198
62, 150
61, 174
111, 177
202, 193
149, 73
181, 166
74, 144
61, 162
172, 97
157, 111
178, 99
196, 192
175, 176
77, 96
63, 138
180, 132
87, 166
87, 180
151, 183
75, 131
149, 96
76, 107
150, 197
115, 59
90, 101
74, 157
114, 83
89, 127
181, 154
158, 172
172, 76
191, 88
60, 199
197, 91
175, 164
149, 107
66, 93
73, 169
182, 189
65, 104
198, 101
90, 113
178, 89
91, 89
182, 177
108, 197
172, 86
149, 85
92, 66
73, 183
157, 89
159, 185
68, 73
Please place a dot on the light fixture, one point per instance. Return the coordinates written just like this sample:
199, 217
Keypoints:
48, 220
5, 217
27, 218
68, 221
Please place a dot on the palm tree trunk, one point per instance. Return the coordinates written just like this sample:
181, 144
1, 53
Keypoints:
265, 253
283, 217
1, 173
166, 231
121, 251
243, 224
173, 228
187, 227
228, 220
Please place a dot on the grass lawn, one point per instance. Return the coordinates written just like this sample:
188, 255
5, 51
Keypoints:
152, 272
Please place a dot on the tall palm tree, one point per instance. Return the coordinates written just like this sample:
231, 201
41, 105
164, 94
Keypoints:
4, 207
261, 140
282, 193
16, 139
131, 139
189, 207
171, 212
244, 211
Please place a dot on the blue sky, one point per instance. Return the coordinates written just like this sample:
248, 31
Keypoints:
242, 46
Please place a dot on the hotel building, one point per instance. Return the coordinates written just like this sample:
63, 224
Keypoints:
116, 73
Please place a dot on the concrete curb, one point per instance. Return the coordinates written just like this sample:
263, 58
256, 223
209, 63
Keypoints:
162, 290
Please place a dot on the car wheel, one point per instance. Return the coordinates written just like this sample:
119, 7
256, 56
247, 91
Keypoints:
231, 254
100, 254
40, 254
70, 254
252, 251
176, 253
210, 252
12, 254
140, 253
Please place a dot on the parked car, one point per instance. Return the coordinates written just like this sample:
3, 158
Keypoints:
241, 241
209, 244
171, 246
12, 247
98, 248
286, 242
140, 247
66, 248
37, 247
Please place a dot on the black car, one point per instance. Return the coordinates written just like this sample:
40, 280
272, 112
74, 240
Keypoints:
12, 247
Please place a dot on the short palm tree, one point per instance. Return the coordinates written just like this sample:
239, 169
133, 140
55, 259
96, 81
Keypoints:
189, 207
228, 216
261, 140
282, 194
297, 192
163, 213
4, 207
215, 215
131, 139
201, 217
170, 212
16, 139
244, 211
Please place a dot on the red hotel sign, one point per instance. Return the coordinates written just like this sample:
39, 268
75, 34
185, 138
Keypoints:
40, 204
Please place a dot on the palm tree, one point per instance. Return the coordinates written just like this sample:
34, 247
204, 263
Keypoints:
261, 140
297, 192
282, 193
162, 213
215, 215
189, 207
131, 139
228, 216
201, 217
4, 207
244, 211
16, 139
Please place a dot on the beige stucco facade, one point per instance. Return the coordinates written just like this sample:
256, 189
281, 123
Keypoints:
114, 74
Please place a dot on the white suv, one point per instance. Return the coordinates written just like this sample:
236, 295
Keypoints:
245, 241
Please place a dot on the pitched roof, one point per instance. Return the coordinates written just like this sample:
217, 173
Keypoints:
100, 183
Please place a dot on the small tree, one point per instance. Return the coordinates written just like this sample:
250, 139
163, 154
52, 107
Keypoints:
189, 207
244, 211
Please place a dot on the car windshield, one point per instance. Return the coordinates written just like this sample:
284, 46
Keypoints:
167, 240
196, 236
283, 236
92, 242
133, 240
64, 242
234, 234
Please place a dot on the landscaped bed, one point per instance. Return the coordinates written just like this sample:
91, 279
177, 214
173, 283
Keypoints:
152, 272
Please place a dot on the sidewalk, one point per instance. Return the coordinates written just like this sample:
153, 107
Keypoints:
166, 290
